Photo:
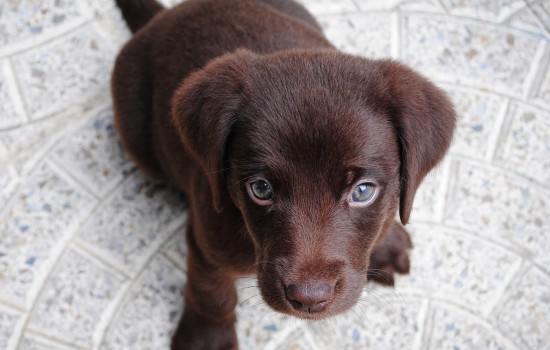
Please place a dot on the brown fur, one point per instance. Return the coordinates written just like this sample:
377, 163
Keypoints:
213, 94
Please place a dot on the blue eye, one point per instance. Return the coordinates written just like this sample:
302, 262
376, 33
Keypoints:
364, 192
261, 189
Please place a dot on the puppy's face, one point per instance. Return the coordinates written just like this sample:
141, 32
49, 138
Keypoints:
319, 151
315, 179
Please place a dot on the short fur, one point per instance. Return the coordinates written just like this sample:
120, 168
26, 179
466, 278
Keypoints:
212, 94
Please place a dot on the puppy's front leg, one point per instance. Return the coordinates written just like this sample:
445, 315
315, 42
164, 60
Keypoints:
208, 320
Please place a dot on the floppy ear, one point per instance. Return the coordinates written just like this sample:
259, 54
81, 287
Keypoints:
204, 110
424, 119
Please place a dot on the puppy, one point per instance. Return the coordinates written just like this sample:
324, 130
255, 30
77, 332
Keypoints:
294, 157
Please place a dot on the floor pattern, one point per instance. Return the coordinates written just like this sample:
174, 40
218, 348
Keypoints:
91, 252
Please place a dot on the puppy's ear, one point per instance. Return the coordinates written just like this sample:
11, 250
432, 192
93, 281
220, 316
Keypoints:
424, 119
204, 109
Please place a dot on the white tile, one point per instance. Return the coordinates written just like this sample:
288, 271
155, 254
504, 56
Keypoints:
134, 221
64, 71
523, 312
452, 328
365, 34
502, 207
41, 217
73, 298
463, 52
151, 310
93, 153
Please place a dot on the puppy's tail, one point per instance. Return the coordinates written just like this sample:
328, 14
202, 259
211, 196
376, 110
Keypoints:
137, 13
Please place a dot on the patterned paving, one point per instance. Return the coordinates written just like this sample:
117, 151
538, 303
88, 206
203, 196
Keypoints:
91, 252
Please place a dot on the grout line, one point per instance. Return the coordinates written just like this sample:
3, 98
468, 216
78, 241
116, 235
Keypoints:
15, 91
86, 251
20, 103
498, 131
535, 74
395, 25
54, 255
179, 231
110, 312
441, 197
51, 35
422, 319
444, 7
513, 274
540, 17
427, 326
507, 16
473, 234
473, 21
48, 337
508, 172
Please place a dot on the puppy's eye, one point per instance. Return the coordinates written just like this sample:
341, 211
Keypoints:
364, 193
261, 192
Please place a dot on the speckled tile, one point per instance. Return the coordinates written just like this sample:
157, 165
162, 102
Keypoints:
523, 311
112, 26
21, 20
527, 21
28, 144
148, 316
73, 298
487, 10
383, 322
8, 182
457, 266
257, 324
11, 108
368, 35
502, 207
458, 51
64, 71
409, 5
44, 211
477, 127
542, 95
128, 226
427, 201
93, 153
32, 342
297, 340
175, 248
525, 144
451, 328
8, 321
321, 7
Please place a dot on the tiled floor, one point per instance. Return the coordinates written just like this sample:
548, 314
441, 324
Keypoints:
91, 253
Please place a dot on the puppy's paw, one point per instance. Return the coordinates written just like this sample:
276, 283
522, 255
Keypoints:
390, 256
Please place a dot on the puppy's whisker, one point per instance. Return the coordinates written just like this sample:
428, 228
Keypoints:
243, 288
247, 299
252, 307
398, 298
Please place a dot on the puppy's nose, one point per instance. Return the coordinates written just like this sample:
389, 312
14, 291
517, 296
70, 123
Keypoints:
310, 297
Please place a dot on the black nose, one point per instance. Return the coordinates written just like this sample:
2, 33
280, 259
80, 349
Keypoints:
310, 297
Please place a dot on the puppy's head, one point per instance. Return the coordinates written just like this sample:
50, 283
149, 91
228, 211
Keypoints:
320, 149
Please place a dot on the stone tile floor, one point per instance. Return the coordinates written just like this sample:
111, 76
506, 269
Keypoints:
91, 253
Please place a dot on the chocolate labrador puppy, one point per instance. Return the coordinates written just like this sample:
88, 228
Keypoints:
294, 157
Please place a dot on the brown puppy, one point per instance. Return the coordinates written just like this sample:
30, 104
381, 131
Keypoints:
294, 157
